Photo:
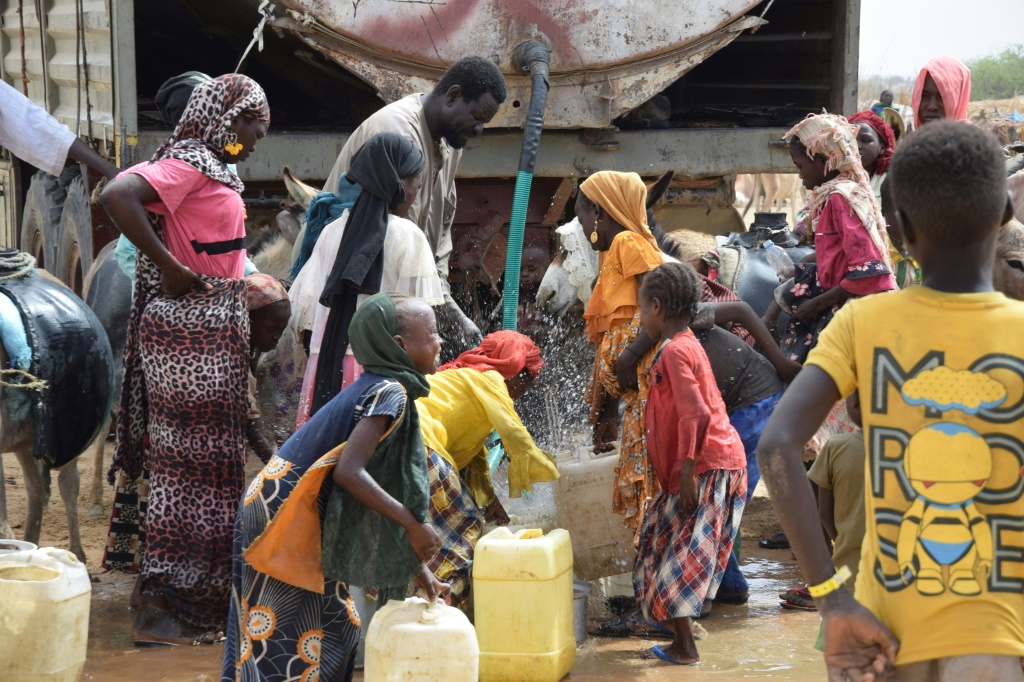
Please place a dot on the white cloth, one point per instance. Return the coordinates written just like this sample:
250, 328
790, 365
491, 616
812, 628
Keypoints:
434, 207
31, 134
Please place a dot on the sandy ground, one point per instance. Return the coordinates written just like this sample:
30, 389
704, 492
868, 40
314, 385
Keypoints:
754, 641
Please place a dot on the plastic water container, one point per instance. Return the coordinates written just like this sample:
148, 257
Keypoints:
44, 615
523, 605
601, 545
779, 259
417, 640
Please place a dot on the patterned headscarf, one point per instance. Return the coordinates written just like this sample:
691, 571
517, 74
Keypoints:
835, 138
885, 136
205, 127
506, 352
263, 290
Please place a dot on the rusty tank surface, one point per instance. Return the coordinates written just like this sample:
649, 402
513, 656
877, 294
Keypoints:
607, 58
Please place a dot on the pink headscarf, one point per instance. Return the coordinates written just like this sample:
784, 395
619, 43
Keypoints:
953, 79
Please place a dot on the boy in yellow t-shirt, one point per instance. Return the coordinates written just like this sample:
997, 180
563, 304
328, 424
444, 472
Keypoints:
940, 371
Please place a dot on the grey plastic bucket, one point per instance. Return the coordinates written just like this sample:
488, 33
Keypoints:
580, 592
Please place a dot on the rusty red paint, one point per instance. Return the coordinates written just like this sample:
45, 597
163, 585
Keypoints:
409, 33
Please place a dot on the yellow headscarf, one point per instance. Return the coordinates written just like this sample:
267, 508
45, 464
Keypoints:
624, 197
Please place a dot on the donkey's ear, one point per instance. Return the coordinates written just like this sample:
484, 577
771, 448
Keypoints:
656, 191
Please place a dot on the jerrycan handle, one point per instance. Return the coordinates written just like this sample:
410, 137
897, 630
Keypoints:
529, 534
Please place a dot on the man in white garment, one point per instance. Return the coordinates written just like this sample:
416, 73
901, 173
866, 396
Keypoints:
441, 123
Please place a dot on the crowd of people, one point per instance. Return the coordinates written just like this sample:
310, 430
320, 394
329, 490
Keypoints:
908, 403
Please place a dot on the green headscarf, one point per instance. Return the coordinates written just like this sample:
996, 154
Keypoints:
361, 547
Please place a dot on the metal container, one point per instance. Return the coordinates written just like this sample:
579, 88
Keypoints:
606, 58
580, 593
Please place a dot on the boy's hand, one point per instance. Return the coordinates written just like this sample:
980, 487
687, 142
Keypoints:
495, 512
688, 498
857, 645
425, 540
435, 589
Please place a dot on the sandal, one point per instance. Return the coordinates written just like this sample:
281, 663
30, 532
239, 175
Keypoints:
777, 541
633, 624
656, 652
733, 598
798, 598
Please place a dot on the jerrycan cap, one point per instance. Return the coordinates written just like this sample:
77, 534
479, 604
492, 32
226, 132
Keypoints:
432, 613
529, 534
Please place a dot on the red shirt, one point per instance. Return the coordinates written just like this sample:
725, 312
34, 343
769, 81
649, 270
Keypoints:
686, 417
845, 253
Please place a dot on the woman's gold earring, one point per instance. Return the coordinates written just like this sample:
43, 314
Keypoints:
233, 147
593, 235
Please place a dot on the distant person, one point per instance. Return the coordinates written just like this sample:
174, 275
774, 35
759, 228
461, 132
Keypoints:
942, 91
938, 597
440, 123
884, 102
32, 135
687, 533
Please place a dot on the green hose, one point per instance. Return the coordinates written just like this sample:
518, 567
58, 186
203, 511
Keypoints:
514, 259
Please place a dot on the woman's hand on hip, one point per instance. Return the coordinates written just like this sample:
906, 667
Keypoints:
178, 280
425, 540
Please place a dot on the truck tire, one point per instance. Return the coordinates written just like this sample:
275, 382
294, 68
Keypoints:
74, 248
41, 220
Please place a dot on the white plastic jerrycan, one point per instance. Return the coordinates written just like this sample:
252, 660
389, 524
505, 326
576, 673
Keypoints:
417, 640
44, 615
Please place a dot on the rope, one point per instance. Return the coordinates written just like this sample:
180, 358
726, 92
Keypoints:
266, 10
34, 383
18, 265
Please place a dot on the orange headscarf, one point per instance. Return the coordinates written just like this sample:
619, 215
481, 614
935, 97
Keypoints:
508, 353
633, 252
953, 79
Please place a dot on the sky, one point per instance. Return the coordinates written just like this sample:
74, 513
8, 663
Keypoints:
897, 37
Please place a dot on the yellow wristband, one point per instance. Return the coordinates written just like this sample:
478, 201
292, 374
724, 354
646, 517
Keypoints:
831, 585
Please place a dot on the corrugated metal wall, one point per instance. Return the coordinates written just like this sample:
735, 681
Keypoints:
71, 78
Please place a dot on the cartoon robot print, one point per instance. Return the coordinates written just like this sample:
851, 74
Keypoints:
943, 539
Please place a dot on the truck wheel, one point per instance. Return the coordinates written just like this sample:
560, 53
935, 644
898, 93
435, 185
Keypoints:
74, 250
41, 219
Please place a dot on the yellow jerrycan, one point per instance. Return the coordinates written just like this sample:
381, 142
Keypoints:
522, 594
44, 615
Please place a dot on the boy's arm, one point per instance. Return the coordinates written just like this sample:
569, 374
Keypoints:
812, 309
857, 645
741, 313
826, 512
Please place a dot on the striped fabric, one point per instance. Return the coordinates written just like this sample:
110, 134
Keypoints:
681, 559
458, 521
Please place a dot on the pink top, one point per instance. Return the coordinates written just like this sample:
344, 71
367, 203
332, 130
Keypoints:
845, 253
686, 417
204, 220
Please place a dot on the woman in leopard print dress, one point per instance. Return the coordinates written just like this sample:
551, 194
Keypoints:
183, 403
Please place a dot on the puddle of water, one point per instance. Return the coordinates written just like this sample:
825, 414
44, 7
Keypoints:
755, 641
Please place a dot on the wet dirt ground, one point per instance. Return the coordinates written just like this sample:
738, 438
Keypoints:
755, 641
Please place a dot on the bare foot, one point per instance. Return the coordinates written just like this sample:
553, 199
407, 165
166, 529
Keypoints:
155, 625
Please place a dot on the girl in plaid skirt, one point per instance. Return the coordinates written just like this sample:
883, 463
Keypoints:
699, 459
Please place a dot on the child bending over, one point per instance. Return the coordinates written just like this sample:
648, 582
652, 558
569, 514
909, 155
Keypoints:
688, 532
939, 593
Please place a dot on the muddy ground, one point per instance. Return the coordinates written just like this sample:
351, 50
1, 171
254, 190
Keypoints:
755, 641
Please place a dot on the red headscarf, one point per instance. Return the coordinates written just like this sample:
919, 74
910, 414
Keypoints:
885, 136
508, 353
953, 79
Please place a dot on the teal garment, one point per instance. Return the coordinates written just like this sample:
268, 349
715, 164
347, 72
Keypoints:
361, 547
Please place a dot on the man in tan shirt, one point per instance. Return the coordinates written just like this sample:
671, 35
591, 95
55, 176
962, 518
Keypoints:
440, 123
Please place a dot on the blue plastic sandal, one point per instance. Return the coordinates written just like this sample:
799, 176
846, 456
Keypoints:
656, 650
660, 628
